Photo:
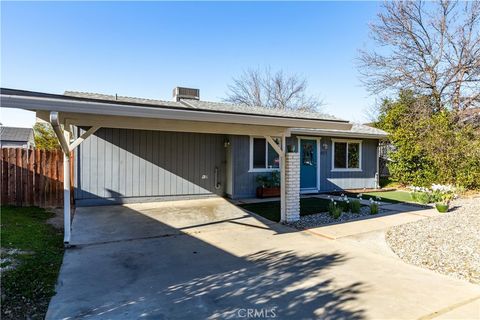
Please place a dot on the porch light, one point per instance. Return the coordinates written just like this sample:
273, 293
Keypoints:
226, 144
325, 146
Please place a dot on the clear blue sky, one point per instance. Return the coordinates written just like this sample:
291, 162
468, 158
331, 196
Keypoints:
146, 49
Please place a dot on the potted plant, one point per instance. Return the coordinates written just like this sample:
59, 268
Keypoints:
291, 148
443, 194
268, 185
442, 205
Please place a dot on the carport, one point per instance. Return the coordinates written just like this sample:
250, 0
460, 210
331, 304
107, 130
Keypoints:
67, 112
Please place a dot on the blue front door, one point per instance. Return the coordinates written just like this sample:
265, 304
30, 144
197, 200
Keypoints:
308, 164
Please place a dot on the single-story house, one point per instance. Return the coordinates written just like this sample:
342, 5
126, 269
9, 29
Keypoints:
132, 149
13, 137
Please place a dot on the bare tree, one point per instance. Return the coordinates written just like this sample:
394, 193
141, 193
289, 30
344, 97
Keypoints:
432, 48
272, 90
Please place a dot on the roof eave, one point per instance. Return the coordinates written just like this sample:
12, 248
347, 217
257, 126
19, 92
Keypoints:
59, 104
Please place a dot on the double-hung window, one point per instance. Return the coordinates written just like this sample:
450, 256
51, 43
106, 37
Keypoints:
347, 155
262, 155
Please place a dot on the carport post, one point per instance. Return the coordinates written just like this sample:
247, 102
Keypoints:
66, 192
280, 149
64, 139
283, 184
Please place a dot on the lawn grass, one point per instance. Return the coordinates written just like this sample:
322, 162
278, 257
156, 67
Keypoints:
271, 209
390, 196
388, 183
396, 196
27, 287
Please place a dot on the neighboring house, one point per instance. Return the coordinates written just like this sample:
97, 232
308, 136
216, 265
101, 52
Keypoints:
131, 149
12, 137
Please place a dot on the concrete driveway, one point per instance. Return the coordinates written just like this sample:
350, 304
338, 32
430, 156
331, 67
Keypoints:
207, 259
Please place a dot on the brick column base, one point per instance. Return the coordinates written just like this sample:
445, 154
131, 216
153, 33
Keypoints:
292, 186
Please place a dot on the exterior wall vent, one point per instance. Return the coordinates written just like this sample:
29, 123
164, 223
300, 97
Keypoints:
185, 93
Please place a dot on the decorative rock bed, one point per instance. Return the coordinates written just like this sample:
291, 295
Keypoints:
324, 218
448, 243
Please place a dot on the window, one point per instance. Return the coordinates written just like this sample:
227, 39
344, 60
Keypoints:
346, 155
263, 156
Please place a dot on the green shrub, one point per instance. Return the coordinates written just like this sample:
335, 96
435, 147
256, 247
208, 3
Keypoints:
271, 180
413, 195
344, 205
430, 144
373, 208
355, 206
334, 209
331, 207
337, 212
424, 197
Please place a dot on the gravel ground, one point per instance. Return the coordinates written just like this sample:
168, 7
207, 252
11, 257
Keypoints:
324, 218
448, 243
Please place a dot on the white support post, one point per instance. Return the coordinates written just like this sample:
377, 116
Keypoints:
63, 134
66, 192
377, 174
283, 190
280, 149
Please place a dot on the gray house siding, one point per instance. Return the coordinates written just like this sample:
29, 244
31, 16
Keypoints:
120, 165
244, 181
336, 180
244, 184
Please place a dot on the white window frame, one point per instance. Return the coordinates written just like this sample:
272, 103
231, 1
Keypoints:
359, 156
251, 168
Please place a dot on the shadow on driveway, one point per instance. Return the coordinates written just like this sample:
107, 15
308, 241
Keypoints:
184, 260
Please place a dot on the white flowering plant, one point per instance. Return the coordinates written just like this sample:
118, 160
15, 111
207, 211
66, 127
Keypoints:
436, 193
443, 193
374, 206
334, 209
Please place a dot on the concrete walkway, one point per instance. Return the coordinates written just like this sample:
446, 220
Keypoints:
396, 216
207, 259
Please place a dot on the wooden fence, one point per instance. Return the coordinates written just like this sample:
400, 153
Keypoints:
33, 177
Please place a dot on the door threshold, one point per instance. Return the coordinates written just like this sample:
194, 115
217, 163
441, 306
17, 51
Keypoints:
308, 191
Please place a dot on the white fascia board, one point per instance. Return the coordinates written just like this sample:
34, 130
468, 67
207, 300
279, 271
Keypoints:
90, 107
333, 133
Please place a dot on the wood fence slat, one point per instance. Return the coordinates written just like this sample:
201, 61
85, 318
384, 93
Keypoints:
49, 186
41, 179
58, 183
11, 176
4, 196
33, 177
25, 190
30, 174
18, 177
37, 178
54, 179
